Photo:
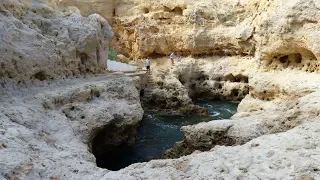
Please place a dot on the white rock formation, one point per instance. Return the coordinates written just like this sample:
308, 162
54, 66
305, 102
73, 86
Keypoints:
47, 133
38, 43
290, 155
47, 130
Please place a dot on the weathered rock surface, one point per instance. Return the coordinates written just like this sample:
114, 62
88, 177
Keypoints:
38, 43
276, 156
105, 8
216, 78
48, 132
170, 96
283, 31
192, 27
51, 128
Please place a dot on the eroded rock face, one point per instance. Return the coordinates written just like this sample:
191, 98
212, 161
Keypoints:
216, 78
276, 103
48, 127
284, 31
105, 8
267, 157
170, 96
48, 138
288, 37
151, 28
39, 43
48, 132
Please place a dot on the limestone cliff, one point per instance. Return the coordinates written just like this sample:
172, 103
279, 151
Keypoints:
48, 132
55, 115
280, 40
39, 43
105, 8
151, 28
264, 53
274, 29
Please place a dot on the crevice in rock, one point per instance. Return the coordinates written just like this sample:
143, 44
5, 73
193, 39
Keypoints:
109, 140
146, 10
41, 75
155, 55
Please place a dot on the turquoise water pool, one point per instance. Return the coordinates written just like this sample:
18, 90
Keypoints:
158, 133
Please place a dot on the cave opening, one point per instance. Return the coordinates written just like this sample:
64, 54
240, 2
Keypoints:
146, 10
111, 140
41, 75
284, 59
114, 147
155, 55
178, 11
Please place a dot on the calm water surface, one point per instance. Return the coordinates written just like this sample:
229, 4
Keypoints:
158, 133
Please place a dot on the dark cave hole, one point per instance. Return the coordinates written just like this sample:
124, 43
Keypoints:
111, 140
284, 59
297, 58
83, 58
41, 75
155, 55
178, 11
235, 92
229, 77
141, 92
146, 10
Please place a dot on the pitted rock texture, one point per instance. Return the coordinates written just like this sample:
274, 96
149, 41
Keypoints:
288, 37
276, 156
48, 132
152, 28
274, 49
276, 103
273, 30
38, 43
105, 8
216, 78
170, 96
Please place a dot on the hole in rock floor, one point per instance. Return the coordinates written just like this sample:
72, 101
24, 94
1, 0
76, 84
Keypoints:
157, 133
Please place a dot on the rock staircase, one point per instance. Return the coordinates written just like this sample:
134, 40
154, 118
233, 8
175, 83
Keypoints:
150, 86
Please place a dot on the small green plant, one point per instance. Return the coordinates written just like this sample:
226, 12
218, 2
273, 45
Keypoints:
112, 54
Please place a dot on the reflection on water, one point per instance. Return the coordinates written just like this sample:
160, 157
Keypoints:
158, 133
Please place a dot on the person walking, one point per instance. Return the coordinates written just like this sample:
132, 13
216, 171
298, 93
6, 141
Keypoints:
148, 63
172, 58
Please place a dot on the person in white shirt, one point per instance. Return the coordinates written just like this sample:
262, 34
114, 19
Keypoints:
172, 58
148, 62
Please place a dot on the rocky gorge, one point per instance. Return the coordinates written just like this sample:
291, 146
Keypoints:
60, 110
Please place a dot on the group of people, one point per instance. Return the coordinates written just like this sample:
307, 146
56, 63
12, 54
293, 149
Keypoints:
172, 56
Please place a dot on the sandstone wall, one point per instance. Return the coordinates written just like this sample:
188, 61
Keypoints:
39, 43
47, 133
105, 8
272, 30
192, 27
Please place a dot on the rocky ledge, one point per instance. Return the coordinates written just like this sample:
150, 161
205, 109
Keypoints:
55, 131
264, 53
